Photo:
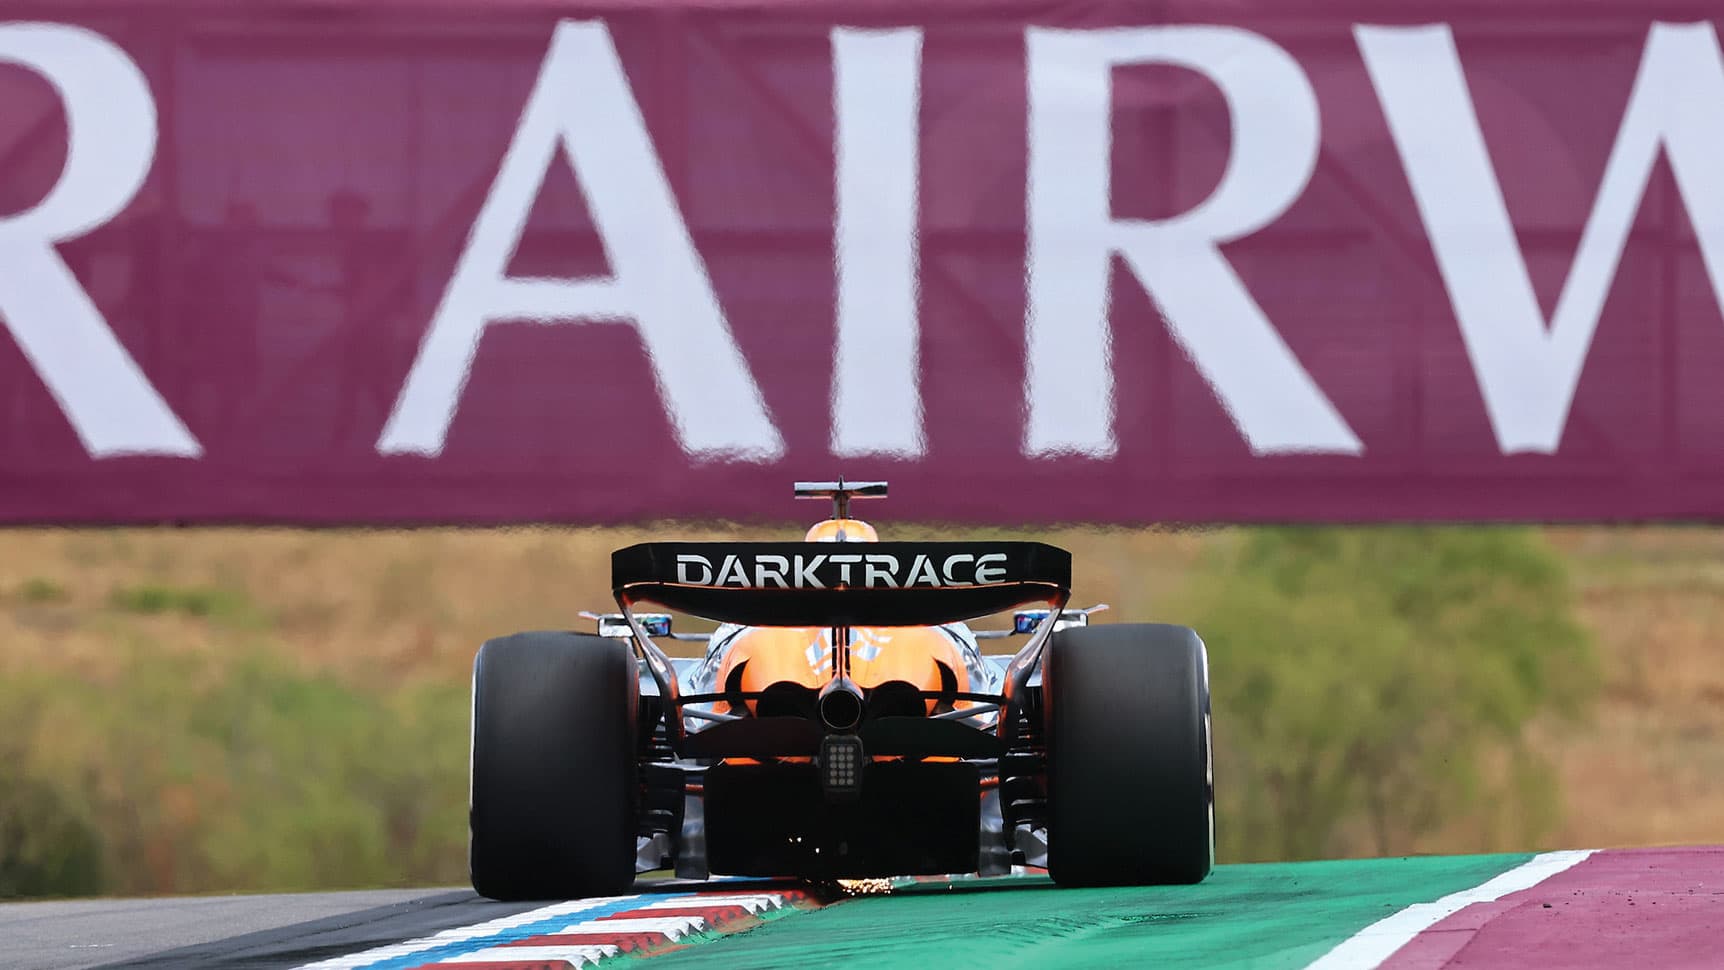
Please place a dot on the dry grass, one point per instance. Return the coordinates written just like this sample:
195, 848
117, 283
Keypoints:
1650, 768
392, 604
392, 607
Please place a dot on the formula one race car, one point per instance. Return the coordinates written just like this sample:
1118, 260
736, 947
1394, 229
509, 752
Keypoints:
844, 723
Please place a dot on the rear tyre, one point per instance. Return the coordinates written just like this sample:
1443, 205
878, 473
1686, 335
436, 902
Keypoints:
553, 812
1130, 782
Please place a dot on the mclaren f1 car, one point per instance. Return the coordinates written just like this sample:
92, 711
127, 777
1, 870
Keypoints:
843, 722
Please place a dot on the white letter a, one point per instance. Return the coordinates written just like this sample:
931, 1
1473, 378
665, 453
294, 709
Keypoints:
582, 103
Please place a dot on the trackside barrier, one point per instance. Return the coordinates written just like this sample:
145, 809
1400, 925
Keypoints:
1145, 263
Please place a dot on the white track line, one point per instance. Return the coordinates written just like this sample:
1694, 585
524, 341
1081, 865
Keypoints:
1372, 945
670, 926
753, 902
456, 934
580, 956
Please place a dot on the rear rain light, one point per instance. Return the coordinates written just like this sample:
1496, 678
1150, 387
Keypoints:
842, 761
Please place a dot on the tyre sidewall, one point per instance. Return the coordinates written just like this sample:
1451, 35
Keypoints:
1130, 767
553, 805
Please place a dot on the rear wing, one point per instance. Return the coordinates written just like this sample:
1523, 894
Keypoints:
840, 584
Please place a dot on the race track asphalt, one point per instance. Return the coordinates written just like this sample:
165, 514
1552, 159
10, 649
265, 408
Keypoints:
85, 933
255, 932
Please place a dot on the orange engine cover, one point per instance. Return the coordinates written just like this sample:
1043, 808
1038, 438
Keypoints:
878, 654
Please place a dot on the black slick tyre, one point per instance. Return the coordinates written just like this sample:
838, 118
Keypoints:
1130, 780
554, 788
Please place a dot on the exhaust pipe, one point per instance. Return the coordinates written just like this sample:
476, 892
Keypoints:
840, 705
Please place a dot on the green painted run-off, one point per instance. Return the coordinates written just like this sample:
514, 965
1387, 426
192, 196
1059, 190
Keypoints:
1280, 915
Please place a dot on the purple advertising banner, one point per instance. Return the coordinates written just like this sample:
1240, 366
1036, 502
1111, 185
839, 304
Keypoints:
501, 261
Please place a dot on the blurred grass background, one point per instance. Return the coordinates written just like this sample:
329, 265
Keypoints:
242, 709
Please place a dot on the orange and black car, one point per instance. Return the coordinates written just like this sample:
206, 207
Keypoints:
844, 722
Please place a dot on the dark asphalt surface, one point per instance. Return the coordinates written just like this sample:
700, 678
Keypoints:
78, 934
242, 932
